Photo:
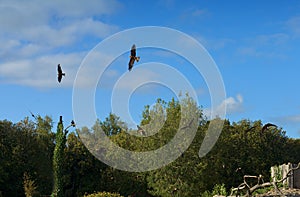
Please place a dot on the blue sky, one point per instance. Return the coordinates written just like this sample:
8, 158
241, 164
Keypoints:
255, 45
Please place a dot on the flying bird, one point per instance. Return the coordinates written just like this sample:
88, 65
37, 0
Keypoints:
60, 73
32, 114
266, 126
189, 125
133, 57
251, 128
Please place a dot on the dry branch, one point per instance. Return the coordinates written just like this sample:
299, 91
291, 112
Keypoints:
261, 183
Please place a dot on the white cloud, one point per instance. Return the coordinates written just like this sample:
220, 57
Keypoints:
231, 104
54, 23
34, 33
34, 12
69, 34
41, 71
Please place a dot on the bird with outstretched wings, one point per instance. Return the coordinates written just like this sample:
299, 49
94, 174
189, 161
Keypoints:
59, 73
189, 125
266, 126
133, 57
251, 128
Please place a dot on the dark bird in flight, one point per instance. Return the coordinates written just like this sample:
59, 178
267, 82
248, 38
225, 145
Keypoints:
133, 57
141, 130
32, 114
59, 73
251, 128
189, 125
266, 126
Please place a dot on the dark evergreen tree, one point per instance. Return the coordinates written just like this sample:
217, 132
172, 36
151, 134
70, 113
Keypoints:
58, 159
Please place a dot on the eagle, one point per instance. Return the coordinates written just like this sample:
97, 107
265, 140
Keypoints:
266, 126
132, 57
251, 128
59, 73
32, 114
189, 125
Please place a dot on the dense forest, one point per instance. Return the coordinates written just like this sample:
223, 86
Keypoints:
27, 151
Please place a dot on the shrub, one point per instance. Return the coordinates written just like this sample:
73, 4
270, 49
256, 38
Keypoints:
29, 185
219, 190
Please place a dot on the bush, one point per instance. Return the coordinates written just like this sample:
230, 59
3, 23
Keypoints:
206, 194
29, 186
219, 190
103, 194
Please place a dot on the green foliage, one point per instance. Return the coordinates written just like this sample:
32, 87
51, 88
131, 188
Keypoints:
206, 194
29, 185
262, 190
219, 189
82, 171
58, 160
25, 147
175, 179
112, 125
277, 172
29, 146
103, 194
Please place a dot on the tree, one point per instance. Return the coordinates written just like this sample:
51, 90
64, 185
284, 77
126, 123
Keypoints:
22, 151
112, 125
182, 176
83, 173
58, 160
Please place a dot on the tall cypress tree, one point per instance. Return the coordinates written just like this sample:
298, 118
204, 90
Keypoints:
58, 159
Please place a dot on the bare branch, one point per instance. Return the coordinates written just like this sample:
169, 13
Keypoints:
250, 190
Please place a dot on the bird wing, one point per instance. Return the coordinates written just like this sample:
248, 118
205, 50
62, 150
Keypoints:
250, 129
191, 122
59, 70
31, 114
266, 126
59, 77
130, 64
189, 125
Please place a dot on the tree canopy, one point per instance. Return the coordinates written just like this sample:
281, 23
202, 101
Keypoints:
27, 147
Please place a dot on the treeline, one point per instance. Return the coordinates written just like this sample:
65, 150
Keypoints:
26, 156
